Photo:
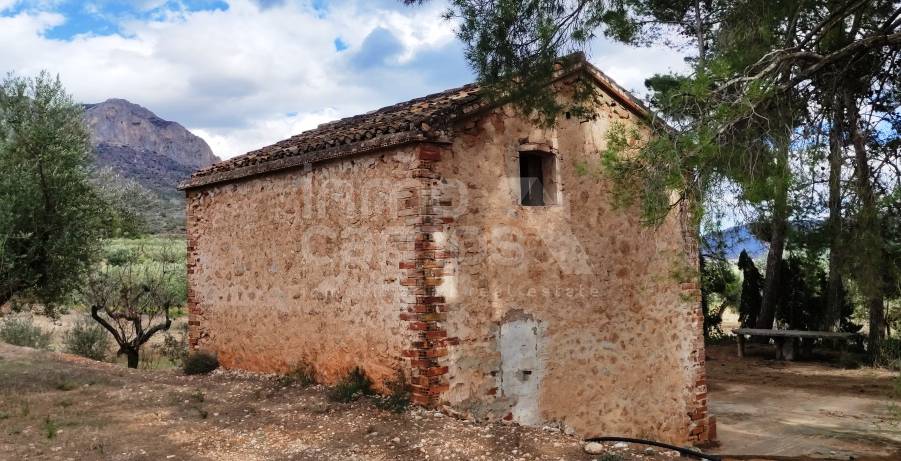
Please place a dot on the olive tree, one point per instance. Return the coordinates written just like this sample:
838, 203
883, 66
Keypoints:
134, 301
49, 212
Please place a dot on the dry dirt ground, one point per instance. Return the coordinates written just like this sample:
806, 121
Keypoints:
60, 407
57, 407
811, 408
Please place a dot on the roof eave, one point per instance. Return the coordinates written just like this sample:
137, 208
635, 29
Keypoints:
411, 136
291, 162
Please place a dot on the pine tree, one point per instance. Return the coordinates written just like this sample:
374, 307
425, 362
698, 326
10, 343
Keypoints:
749, 305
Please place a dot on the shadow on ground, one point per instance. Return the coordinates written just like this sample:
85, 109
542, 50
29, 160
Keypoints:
800, 409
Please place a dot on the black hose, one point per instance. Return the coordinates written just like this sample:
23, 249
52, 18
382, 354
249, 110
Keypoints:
682, 451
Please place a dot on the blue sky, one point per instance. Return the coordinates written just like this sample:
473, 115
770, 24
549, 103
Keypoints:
246, 73
104, 17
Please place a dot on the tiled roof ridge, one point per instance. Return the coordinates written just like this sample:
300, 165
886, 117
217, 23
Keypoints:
426, 118
420, 119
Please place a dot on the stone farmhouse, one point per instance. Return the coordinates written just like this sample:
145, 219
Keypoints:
454, 246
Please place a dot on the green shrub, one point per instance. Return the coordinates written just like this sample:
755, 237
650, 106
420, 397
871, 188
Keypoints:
398, 397
23, 332
304, 375
87, 339
120, 256
889, 354
200, 363
50, 428
168, 255
353, 386
175, 347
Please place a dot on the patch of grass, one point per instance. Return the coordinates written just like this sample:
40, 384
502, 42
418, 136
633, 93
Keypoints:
153, 358
66, 384
353, 386
303, 376
50, 428
151, 248
398, 398
21, 331
175, 346
200, 363
198, 396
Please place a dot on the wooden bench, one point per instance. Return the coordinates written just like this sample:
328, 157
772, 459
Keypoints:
779, 337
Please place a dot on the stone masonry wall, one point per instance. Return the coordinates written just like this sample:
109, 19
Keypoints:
421, 259
573, 313
304, 267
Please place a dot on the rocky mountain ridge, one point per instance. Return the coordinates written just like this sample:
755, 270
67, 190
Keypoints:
118, 122
157, 154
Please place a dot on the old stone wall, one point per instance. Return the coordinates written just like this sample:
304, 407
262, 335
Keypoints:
422, 259
572, 313
304, 267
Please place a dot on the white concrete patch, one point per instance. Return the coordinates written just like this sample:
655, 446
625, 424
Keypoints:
522, 368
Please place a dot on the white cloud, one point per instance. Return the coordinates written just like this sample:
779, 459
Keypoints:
7, 4
630, 66
259, 132
249, 76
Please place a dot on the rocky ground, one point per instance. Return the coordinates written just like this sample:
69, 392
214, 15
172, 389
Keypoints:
59, 407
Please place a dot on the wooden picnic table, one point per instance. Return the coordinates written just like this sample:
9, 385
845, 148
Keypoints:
779, 337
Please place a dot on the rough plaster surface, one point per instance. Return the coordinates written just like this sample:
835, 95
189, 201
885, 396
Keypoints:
568, 313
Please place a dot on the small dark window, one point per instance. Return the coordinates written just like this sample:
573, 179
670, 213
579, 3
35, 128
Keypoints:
531, 177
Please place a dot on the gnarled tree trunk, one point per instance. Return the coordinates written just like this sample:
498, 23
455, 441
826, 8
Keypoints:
133, 357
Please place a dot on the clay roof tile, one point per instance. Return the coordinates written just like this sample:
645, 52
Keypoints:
419, 119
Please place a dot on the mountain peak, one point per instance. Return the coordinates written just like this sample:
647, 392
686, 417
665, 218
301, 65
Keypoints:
157, 154
119, 122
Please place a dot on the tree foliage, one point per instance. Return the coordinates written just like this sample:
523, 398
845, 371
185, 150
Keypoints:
718, 284
49, 213
802, 301
133, 302
778, 89
128, 204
